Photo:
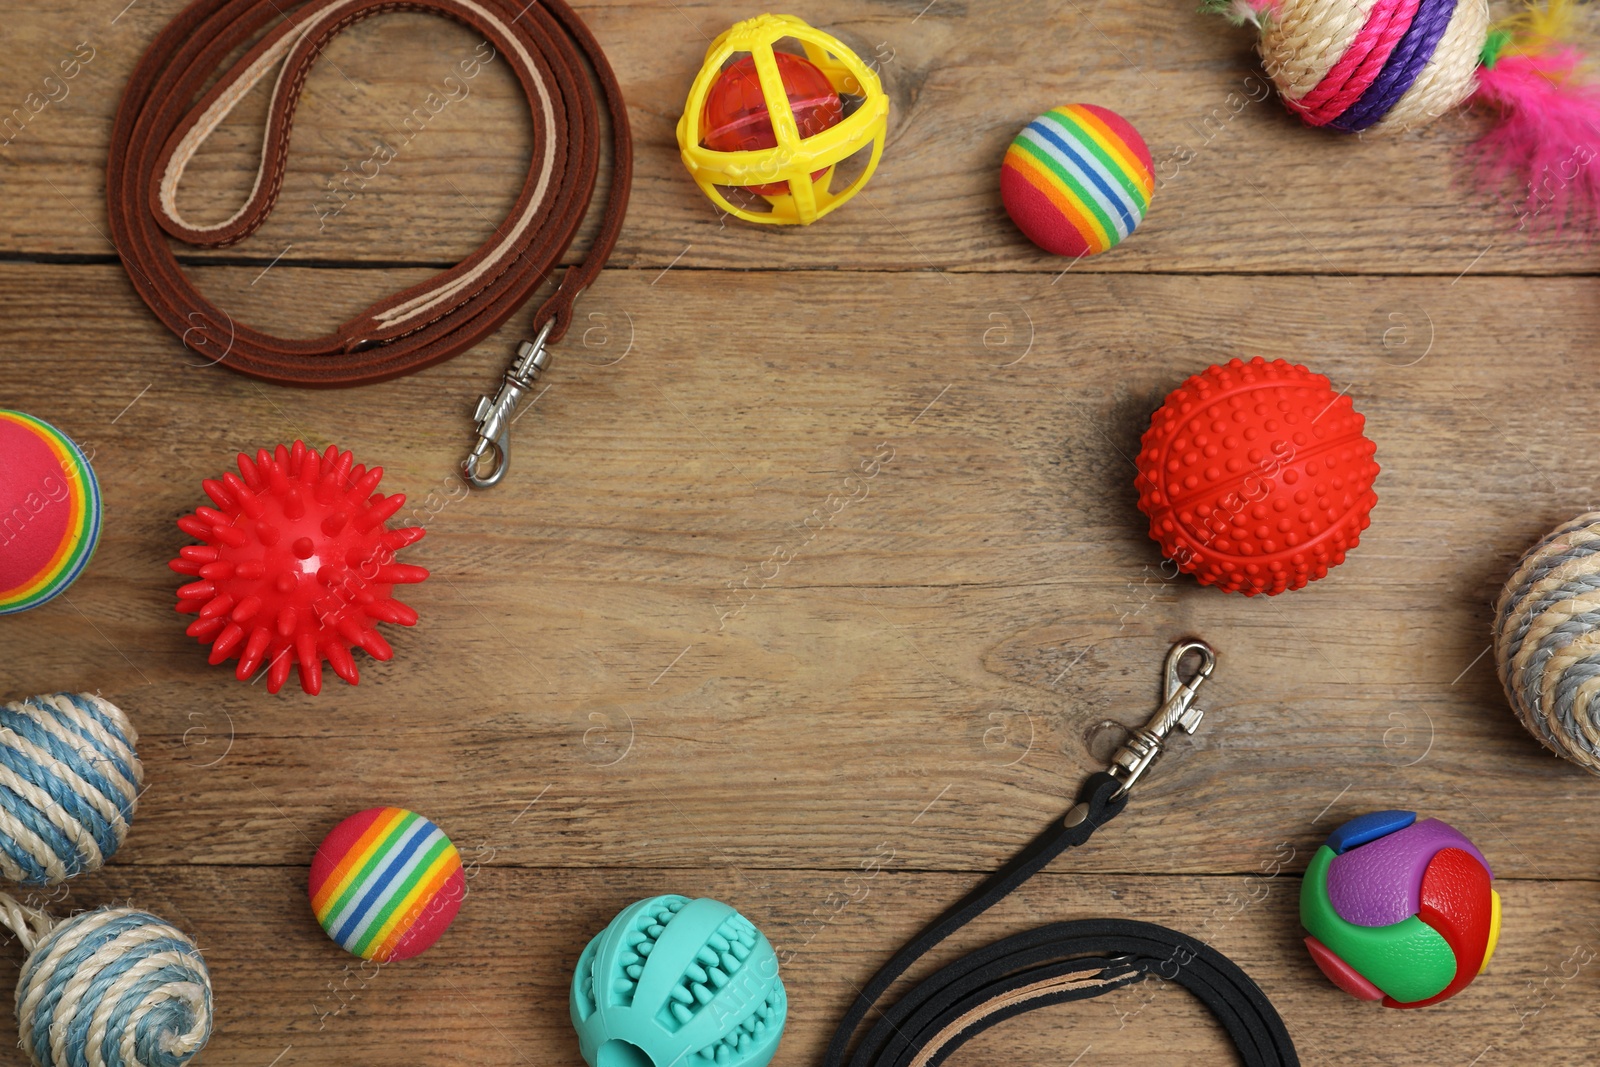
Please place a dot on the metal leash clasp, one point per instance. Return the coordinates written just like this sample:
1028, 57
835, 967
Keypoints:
494, 417
1177, 711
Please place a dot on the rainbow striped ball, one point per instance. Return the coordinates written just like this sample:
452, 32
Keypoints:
386, 884
1077, 180
49, 512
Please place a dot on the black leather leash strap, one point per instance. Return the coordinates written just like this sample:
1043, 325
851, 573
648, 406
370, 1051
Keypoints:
1049, 965
1074, 961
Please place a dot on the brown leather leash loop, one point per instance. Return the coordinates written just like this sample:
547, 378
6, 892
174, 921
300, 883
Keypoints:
164, 119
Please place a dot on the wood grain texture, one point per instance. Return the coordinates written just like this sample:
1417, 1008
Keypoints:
822, 545
1244, 187
494, 989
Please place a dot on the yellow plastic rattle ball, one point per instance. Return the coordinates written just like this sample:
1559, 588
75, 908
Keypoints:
779, 115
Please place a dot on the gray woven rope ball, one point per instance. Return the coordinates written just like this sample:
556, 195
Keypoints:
1547, 641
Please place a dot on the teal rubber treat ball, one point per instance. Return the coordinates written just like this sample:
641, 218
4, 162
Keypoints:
674, 982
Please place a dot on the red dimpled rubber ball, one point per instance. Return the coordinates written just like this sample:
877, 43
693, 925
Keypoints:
1256, 477
736, 119
298, 565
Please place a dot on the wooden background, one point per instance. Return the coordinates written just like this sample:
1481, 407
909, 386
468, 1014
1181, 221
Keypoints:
614, 691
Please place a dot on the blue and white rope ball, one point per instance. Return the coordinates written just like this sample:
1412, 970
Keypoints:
1547, 641
113, 988
69, 780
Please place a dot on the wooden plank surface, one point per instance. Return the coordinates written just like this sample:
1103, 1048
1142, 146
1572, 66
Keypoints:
1243, 186
679, 651
495, 989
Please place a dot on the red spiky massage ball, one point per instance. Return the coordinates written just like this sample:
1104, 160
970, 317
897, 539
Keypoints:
1257, 477
297, 567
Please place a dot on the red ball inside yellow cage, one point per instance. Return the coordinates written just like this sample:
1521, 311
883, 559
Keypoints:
783, 123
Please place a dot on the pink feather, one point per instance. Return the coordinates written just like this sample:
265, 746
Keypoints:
1546, 136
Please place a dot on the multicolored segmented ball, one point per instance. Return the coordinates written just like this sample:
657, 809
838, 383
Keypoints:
1399, 910
49, 512
386, 884
1077, 180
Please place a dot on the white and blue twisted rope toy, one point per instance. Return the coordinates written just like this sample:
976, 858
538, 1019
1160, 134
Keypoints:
69, 780
113, 987
1547, 641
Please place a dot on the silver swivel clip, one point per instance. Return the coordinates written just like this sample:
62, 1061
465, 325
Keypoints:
1177, 712
494, 417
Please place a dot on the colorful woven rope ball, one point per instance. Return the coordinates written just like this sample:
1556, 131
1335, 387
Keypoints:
69, 780
49, 512
674, 982
386, 884
1399, 910
1547, 640
1257, 477
114, 987
1077, 180
1353, 65
1356, 65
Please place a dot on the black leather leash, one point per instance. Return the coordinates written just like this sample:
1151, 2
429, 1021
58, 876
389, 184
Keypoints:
1063, 961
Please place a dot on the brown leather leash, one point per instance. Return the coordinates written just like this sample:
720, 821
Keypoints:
164, 120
